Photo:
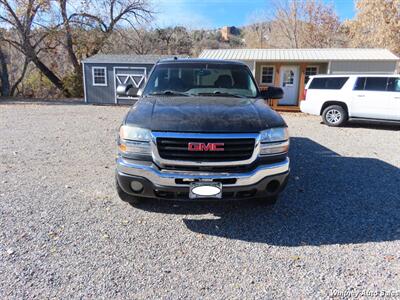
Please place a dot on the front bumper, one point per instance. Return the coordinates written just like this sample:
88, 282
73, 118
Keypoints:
264, 180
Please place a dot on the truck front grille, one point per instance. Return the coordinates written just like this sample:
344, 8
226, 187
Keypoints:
177, 149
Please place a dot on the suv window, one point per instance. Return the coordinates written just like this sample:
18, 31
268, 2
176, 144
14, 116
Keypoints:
360, 83
391, 84
375, 84
328, 83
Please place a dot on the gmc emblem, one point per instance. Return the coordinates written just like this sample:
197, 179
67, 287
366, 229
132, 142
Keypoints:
206, 146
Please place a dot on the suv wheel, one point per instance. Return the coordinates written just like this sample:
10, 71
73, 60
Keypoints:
126, 197
334, 115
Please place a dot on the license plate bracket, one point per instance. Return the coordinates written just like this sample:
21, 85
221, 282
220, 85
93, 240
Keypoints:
204, 189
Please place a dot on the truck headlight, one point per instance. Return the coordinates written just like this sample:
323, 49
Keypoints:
134, 141
274, 141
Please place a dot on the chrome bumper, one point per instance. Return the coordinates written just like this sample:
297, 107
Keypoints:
167, 177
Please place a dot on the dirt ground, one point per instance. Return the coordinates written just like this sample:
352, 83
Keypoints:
65, 234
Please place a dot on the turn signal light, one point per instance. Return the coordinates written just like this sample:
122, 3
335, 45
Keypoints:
122, 147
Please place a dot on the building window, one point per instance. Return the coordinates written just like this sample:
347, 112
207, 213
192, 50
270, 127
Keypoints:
310, 71
267, 74
99, 76
288, 78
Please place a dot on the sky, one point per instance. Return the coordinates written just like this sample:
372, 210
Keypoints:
197, 14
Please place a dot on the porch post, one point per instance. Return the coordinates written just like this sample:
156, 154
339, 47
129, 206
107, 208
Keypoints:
302, 80
277, 80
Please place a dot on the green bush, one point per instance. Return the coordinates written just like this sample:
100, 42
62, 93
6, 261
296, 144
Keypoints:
36, 85
73, 84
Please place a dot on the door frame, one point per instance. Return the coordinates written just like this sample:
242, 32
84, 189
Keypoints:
296, 83
144, 69
273, 103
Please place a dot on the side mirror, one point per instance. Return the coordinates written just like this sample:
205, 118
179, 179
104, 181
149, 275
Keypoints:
272, 93
139, 93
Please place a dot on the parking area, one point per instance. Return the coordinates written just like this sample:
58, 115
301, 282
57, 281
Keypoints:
65, 234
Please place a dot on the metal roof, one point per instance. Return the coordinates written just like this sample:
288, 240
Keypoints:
125, 58
199, 60
323, 54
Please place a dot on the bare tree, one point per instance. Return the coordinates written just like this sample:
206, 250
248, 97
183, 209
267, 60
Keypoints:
141, 41
174, 40
104, 16
87, 29
206, 39
40, 23
19, 78
287, 18
4, 75
22, 16
11, 77
377, 24
257, 35
165, 36
295, 24
68, 34
321, 25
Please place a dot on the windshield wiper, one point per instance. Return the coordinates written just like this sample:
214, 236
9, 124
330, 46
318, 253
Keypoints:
223, 94
170, 93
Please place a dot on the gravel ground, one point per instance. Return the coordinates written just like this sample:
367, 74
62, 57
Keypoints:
65, 234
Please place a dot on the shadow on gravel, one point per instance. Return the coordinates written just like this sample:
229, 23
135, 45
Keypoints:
329, 200
371, 125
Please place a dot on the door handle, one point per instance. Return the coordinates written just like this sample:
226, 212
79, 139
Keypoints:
360, 95
396, 97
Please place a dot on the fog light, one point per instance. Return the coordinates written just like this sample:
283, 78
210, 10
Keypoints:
136, 186
273, 186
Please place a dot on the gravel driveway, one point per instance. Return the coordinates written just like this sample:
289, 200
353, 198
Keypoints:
65, 234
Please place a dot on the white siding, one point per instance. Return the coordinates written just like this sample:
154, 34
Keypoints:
349, 67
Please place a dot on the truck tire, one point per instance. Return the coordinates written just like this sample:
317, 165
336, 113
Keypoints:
334, 115
126, 197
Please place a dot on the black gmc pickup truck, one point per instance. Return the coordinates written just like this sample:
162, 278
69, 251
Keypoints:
201, 129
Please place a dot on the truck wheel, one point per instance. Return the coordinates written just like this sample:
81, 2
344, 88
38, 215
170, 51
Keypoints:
126, 197
334, 115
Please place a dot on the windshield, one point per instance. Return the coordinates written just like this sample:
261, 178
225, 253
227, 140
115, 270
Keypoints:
200, 79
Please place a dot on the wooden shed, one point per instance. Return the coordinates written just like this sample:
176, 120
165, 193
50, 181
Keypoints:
102, 73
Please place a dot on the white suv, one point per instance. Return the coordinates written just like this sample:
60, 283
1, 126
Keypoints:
338, 98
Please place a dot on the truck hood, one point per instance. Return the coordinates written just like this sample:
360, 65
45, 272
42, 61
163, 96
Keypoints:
203, 114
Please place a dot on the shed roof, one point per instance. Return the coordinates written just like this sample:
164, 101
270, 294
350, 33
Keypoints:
125, 58
321, 54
